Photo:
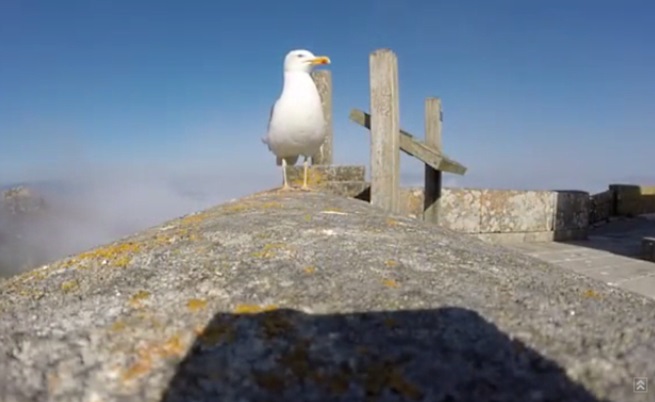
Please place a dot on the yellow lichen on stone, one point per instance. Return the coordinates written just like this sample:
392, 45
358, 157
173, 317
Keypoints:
591, 294
119, 255
270, 204
310, 270
137, 298
195, 219
392, 222
390, 283
69, 286
391, 263
314, 178
253, 308
118, 326
307, 218
195, 305
269, 250
235, 207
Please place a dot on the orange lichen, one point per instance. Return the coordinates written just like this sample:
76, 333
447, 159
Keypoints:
252, 308
392, 222
146, 356
195, 305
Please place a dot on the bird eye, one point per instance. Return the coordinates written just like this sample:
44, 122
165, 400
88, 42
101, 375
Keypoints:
300, 55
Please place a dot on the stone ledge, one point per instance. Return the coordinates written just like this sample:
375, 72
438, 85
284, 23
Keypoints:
543, 236
325, 173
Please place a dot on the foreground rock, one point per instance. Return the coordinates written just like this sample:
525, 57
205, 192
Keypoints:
311, 297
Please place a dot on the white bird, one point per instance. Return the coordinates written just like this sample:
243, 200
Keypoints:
296, 125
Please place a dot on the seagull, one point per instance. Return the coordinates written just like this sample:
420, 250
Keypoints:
296, 125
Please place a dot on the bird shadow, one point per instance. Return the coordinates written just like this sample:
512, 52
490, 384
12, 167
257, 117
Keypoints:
446, 354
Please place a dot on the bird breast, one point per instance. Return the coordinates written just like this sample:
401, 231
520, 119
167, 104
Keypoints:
297, 124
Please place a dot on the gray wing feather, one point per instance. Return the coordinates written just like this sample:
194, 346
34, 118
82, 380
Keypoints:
268, 125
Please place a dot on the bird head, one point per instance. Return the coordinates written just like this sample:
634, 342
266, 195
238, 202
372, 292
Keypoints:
303, 61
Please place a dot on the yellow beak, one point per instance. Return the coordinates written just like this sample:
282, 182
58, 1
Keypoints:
320, 60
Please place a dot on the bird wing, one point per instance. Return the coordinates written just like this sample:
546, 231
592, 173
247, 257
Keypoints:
268, 125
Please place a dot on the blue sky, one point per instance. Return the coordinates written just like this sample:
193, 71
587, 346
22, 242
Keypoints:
536, 94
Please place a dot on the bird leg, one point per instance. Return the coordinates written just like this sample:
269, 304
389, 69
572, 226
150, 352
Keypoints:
304, 180
285, 185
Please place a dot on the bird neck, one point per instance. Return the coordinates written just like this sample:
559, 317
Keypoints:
294, 80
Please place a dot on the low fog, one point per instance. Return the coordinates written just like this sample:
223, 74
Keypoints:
93, 206
88, 205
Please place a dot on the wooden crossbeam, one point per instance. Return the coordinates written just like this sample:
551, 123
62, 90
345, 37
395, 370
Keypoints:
414, 147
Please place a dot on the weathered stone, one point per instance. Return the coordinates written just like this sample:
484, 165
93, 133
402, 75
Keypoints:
572, 210
516, 211
460, 209
303, 296
319, 174
601, 207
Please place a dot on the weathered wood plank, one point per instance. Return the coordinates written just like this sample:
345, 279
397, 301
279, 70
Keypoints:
432, 186
323, 81
384, 127
414, 147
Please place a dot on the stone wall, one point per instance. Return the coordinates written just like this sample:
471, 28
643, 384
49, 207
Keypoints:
633, 200
601, 207
508, 215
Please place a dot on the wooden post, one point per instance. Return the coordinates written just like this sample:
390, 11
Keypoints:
432, 188
385, 130
323, 81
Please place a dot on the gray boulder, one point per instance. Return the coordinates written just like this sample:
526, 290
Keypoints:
312, 297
